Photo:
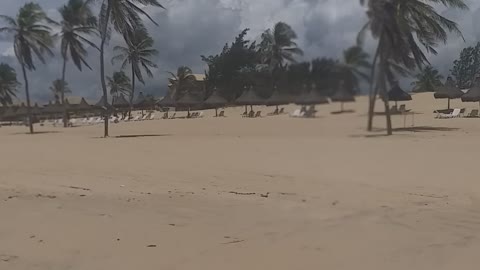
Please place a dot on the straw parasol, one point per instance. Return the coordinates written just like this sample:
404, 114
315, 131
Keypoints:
120, 102
473, 95
216, 100
397, 94
189, 100
9, 113
448, 91
249, 97
277, 99
342, 95
311, 98
53, 108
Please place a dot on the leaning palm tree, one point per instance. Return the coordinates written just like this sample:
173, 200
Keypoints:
278, 48
119, 84
78, 22
399, 26
59, 88
181, 82
32, 37
136, 54
427, 80
355, 67
125, 17
8, 84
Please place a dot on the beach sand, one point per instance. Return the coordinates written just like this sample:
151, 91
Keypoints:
234, 193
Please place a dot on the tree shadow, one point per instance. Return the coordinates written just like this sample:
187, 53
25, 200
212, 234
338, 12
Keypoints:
35, 133
424, 129
135, 136
343, 112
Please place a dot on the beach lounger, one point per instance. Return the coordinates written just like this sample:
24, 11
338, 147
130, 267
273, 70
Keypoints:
462, 112
454, 114
165, 116
221, 114
144, 117
473, 114
251, 114
258, 114
99, 120
200, 115
173, 116
136, 118
282, 111
403, 109
296, 113
152, 117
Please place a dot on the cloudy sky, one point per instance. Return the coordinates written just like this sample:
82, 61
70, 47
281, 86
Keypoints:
190, 28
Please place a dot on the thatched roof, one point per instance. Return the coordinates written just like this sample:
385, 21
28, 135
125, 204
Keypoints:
167, 101
189, 100
250, 97
120, 102
215, 100
278, 98
397, 94
449, 90
311, 98
473, 95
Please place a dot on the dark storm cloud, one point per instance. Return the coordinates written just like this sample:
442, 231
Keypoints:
190, 28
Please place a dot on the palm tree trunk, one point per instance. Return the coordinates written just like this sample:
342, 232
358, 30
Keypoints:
27, 94
373, 90
102, 68
383, 90
132, 94
65, 116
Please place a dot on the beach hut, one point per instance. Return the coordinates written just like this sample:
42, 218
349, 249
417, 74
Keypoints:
342, 95
216, 100
189, 100
249, 98
448, 91
397, 94
278, 99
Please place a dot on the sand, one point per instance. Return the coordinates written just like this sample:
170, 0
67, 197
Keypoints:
233, 193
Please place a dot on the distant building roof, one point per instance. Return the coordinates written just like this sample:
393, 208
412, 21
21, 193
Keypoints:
198, 77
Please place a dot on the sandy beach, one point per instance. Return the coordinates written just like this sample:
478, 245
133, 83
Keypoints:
234, 193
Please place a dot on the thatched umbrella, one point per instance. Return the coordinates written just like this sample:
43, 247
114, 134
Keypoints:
448, 91
249, 97
167, 102
189, 100
342, 95
10, 113
397, 94
277, 99
216, 100
473, 95
311, 98
36, 110
53, 108
120, 102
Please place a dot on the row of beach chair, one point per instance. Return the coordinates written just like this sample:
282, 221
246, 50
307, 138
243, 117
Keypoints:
252, 114
456, 113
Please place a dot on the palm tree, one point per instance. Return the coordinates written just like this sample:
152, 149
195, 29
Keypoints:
77, 22
8, 84
32, 37
136, 54
399, 25
125, 17
181, 81
354, 68
427, 80
278, 47
119, 84
59, 88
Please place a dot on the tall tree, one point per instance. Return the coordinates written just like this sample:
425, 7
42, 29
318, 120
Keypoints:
32, 37
181, 81
355, 67
467, 66
78, 23
401, 27
137, 53
278, 46
8, 84
125, 18
59, 88
427, 80
119, 84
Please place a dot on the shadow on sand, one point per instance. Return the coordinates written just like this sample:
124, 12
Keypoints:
376, 131
35, 133
424, 129
135, 136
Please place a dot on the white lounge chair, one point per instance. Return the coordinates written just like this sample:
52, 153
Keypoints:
152, 117
454, 114
296, 113
145, 117
137, 118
